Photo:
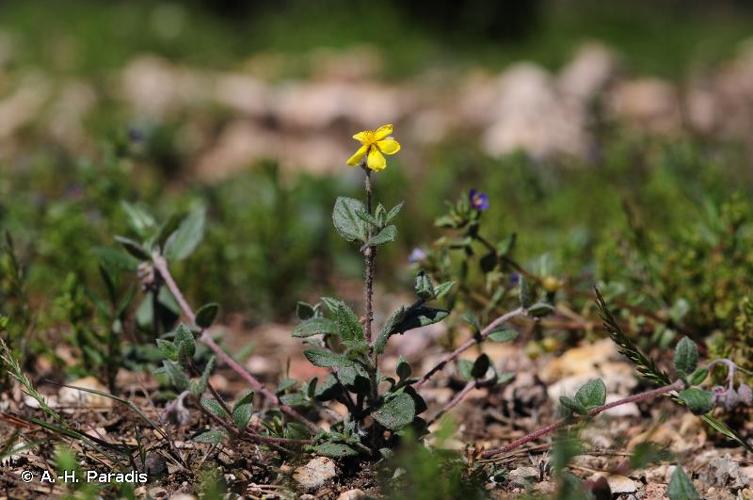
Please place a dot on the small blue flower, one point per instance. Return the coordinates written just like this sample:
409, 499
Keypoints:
416, 256
479, 201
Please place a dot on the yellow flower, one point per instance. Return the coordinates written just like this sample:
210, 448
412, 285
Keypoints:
374, 145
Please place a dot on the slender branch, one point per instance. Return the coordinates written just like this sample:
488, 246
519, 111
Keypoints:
160, 264
543, 431
469, 343
454, 401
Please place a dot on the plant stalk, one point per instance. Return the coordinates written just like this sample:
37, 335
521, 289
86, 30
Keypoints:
468, 344
160, 264
548, 429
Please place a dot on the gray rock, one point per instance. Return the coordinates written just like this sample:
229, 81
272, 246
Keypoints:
315, 473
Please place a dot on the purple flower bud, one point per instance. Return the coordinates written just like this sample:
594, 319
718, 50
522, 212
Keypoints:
416, 256
479, 201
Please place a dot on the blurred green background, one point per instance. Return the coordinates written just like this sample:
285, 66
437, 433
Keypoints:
247, 108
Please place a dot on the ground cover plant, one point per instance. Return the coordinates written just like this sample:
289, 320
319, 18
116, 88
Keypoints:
384, 415
210, 288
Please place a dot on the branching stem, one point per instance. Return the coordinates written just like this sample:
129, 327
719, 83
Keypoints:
469, 343
160, 265
548, 429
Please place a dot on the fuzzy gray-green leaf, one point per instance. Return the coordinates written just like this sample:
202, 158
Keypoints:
396, 413
346, 220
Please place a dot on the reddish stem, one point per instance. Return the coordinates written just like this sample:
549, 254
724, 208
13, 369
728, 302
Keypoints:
591, 413
468, 344
160, 264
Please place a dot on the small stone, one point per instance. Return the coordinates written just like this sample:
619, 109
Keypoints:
621, 484
70, 397
315, 473
354, 494
523, 476
157, 492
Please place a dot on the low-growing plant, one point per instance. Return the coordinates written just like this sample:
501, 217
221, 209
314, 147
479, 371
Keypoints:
384, 412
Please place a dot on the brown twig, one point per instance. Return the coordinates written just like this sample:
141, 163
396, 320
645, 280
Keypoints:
543, 431
468, 344
160, 264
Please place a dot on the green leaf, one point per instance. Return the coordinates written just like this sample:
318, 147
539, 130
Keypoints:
348, 326
177, 377
328, 389
408, 318
442, 289
139, 219
465, 368
294, 399
572, 405
386, 235
187, 237
214, 408
335, 450
167, 349
304, 311
505, 377
503, 335
114, 259
681, 487
396, 413
424, 288
327, 359
686, 356
393, 212
698, 376
242, 414
185, 343
724, 429
697, 400
198, 388
480, 366
214, 437
346, 220
167, 229
315, 326
206, 314
524, 293
592, 394
350, 375
368, 218
247, 398
403, 369
133, 248
540, 309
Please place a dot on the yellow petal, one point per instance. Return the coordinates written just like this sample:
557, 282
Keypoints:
362, 135
357, 156
376, 160
382, 132
388, 146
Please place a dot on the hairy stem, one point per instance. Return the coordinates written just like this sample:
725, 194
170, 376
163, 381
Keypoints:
468, 344
369, 255
548, 429
160, 264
